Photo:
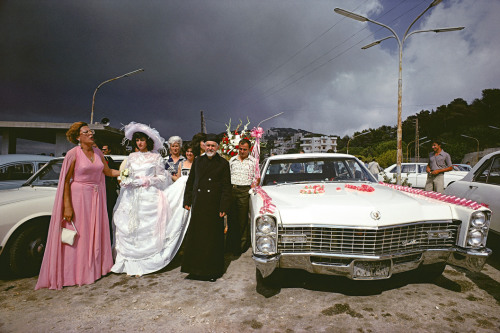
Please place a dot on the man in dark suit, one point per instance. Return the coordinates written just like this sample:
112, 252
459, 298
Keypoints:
112, 187
208, 196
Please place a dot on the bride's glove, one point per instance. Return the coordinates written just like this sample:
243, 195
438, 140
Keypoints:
142, 181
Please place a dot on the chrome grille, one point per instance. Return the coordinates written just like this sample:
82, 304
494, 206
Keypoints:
381, 241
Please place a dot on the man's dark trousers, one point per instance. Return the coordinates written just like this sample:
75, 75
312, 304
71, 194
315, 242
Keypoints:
238, 224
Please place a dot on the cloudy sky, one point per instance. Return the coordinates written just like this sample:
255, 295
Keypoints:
240, 58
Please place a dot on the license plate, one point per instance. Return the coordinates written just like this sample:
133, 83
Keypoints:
371, 269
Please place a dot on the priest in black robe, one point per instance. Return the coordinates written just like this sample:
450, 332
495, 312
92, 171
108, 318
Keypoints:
208, 196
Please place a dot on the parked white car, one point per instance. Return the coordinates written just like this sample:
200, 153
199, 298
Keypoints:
26, 213
15, 169
416, 173
462, 167
334, 218
482, 184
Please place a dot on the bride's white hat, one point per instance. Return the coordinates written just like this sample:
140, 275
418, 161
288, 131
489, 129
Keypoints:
134, 127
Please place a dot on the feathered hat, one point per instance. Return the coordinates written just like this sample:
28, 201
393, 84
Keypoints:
134, 127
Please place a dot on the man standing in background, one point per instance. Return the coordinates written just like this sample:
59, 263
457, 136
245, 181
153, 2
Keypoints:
439, 163
112, 187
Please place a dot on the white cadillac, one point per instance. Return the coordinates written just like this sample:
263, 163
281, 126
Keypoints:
326, 213
25, 215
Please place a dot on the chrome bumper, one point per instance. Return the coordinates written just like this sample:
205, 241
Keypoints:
343, 265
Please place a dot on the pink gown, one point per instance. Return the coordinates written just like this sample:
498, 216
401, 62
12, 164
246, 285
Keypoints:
90, 256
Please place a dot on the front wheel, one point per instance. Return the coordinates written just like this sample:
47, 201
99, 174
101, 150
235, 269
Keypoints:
27, 249
431, 272
272, 280
268, 286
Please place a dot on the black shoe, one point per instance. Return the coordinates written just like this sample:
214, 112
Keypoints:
201, 278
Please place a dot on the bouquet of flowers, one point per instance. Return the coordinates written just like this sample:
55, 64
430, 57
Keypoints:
124, 174
229, 144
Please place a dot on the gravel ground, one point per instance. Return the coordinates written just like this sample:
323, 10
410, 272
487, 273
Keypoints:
166, 301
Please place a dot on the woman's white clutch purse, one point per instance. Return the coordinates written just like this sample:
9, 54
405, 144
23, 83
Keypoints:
68, 235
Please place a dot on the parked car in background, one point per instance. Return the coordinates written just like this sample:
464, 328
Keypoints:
462, 167
334, 218
26, 213
482, 184
15, 169
416, 173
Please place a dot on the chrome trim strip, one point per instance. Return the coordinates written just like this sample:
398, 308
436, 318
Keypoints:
332, 226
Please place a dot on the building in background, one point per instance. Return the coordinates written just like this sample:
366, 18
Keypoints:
52, 133
319, 144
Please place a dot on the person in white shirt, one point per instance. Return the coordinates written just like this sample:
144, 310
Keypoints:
374, 167
242, 168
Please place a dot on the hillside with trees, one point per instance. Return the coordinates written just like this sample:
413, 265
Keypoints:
480, 120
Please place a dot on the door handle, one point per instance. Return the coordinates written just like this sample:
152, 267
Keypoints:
472, 186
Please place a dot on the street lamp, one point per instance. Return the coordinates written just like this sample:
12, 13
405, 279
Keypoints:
470, 137
360, 18
408, 146
353, 139
99, 86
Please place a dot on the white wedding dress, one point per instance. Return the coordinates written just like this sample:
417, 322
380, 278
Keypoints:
145, 234
180, 216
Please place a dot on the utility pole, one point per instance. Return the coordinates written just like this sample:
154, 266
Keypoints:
203, 125
417, 145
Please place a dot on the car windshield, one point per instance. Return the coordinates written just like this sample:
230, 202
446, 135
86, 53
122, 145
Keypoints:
46, 176
328, 169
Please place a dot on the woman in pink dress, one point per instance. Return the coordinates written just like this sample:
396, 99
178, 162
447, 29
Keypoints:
81, 198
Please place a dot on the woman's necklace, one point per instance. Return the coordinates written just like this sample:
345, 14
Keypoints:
91, 157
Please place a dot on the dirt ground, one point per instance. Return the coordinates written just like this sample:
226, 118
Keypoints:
166, 301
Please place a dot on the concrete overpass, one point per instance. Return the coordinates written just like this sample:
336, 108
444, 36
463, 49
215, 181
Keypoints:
54, 133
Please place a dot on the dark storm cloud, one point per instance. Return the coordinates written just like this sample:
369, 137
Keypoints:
230, 58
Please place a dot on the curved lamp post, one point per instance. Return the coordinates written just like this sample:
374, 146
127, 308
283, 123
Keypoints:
401, 41
421, 143
278, 114
99, 86
353, 139
470, 137
409, 143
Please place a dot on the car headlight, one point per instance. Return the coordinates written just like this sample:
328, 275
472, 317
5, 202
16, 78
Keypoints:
479, 220
266, 224
476, 238
266, 244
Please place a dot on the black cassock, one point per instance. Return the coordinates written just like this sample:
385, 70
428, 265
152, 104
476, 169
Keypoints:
208, 192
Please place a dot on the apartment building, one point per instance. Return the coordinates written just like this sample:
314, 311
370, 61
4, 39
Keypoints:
319, 144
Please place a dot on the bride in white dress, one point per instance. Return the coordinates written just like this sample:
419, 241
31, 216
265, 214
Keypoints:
142, 215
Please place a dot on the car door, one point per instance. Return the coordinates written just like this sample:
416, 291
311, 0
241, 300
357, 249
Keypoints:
409, 171
421, 175
485, 188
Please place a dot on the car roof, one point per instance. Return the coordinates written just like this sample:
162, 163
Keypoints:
308, 155
11, 158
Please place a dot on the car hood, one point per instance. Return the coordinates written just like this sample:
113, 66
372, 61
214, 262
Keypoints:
457, 173
350, 207
25, 193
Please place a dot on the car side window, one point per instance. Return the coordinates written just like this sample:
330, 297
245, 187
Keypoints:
408, 168
494, 174
393, 170
482, 174
18, 171
422, 169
